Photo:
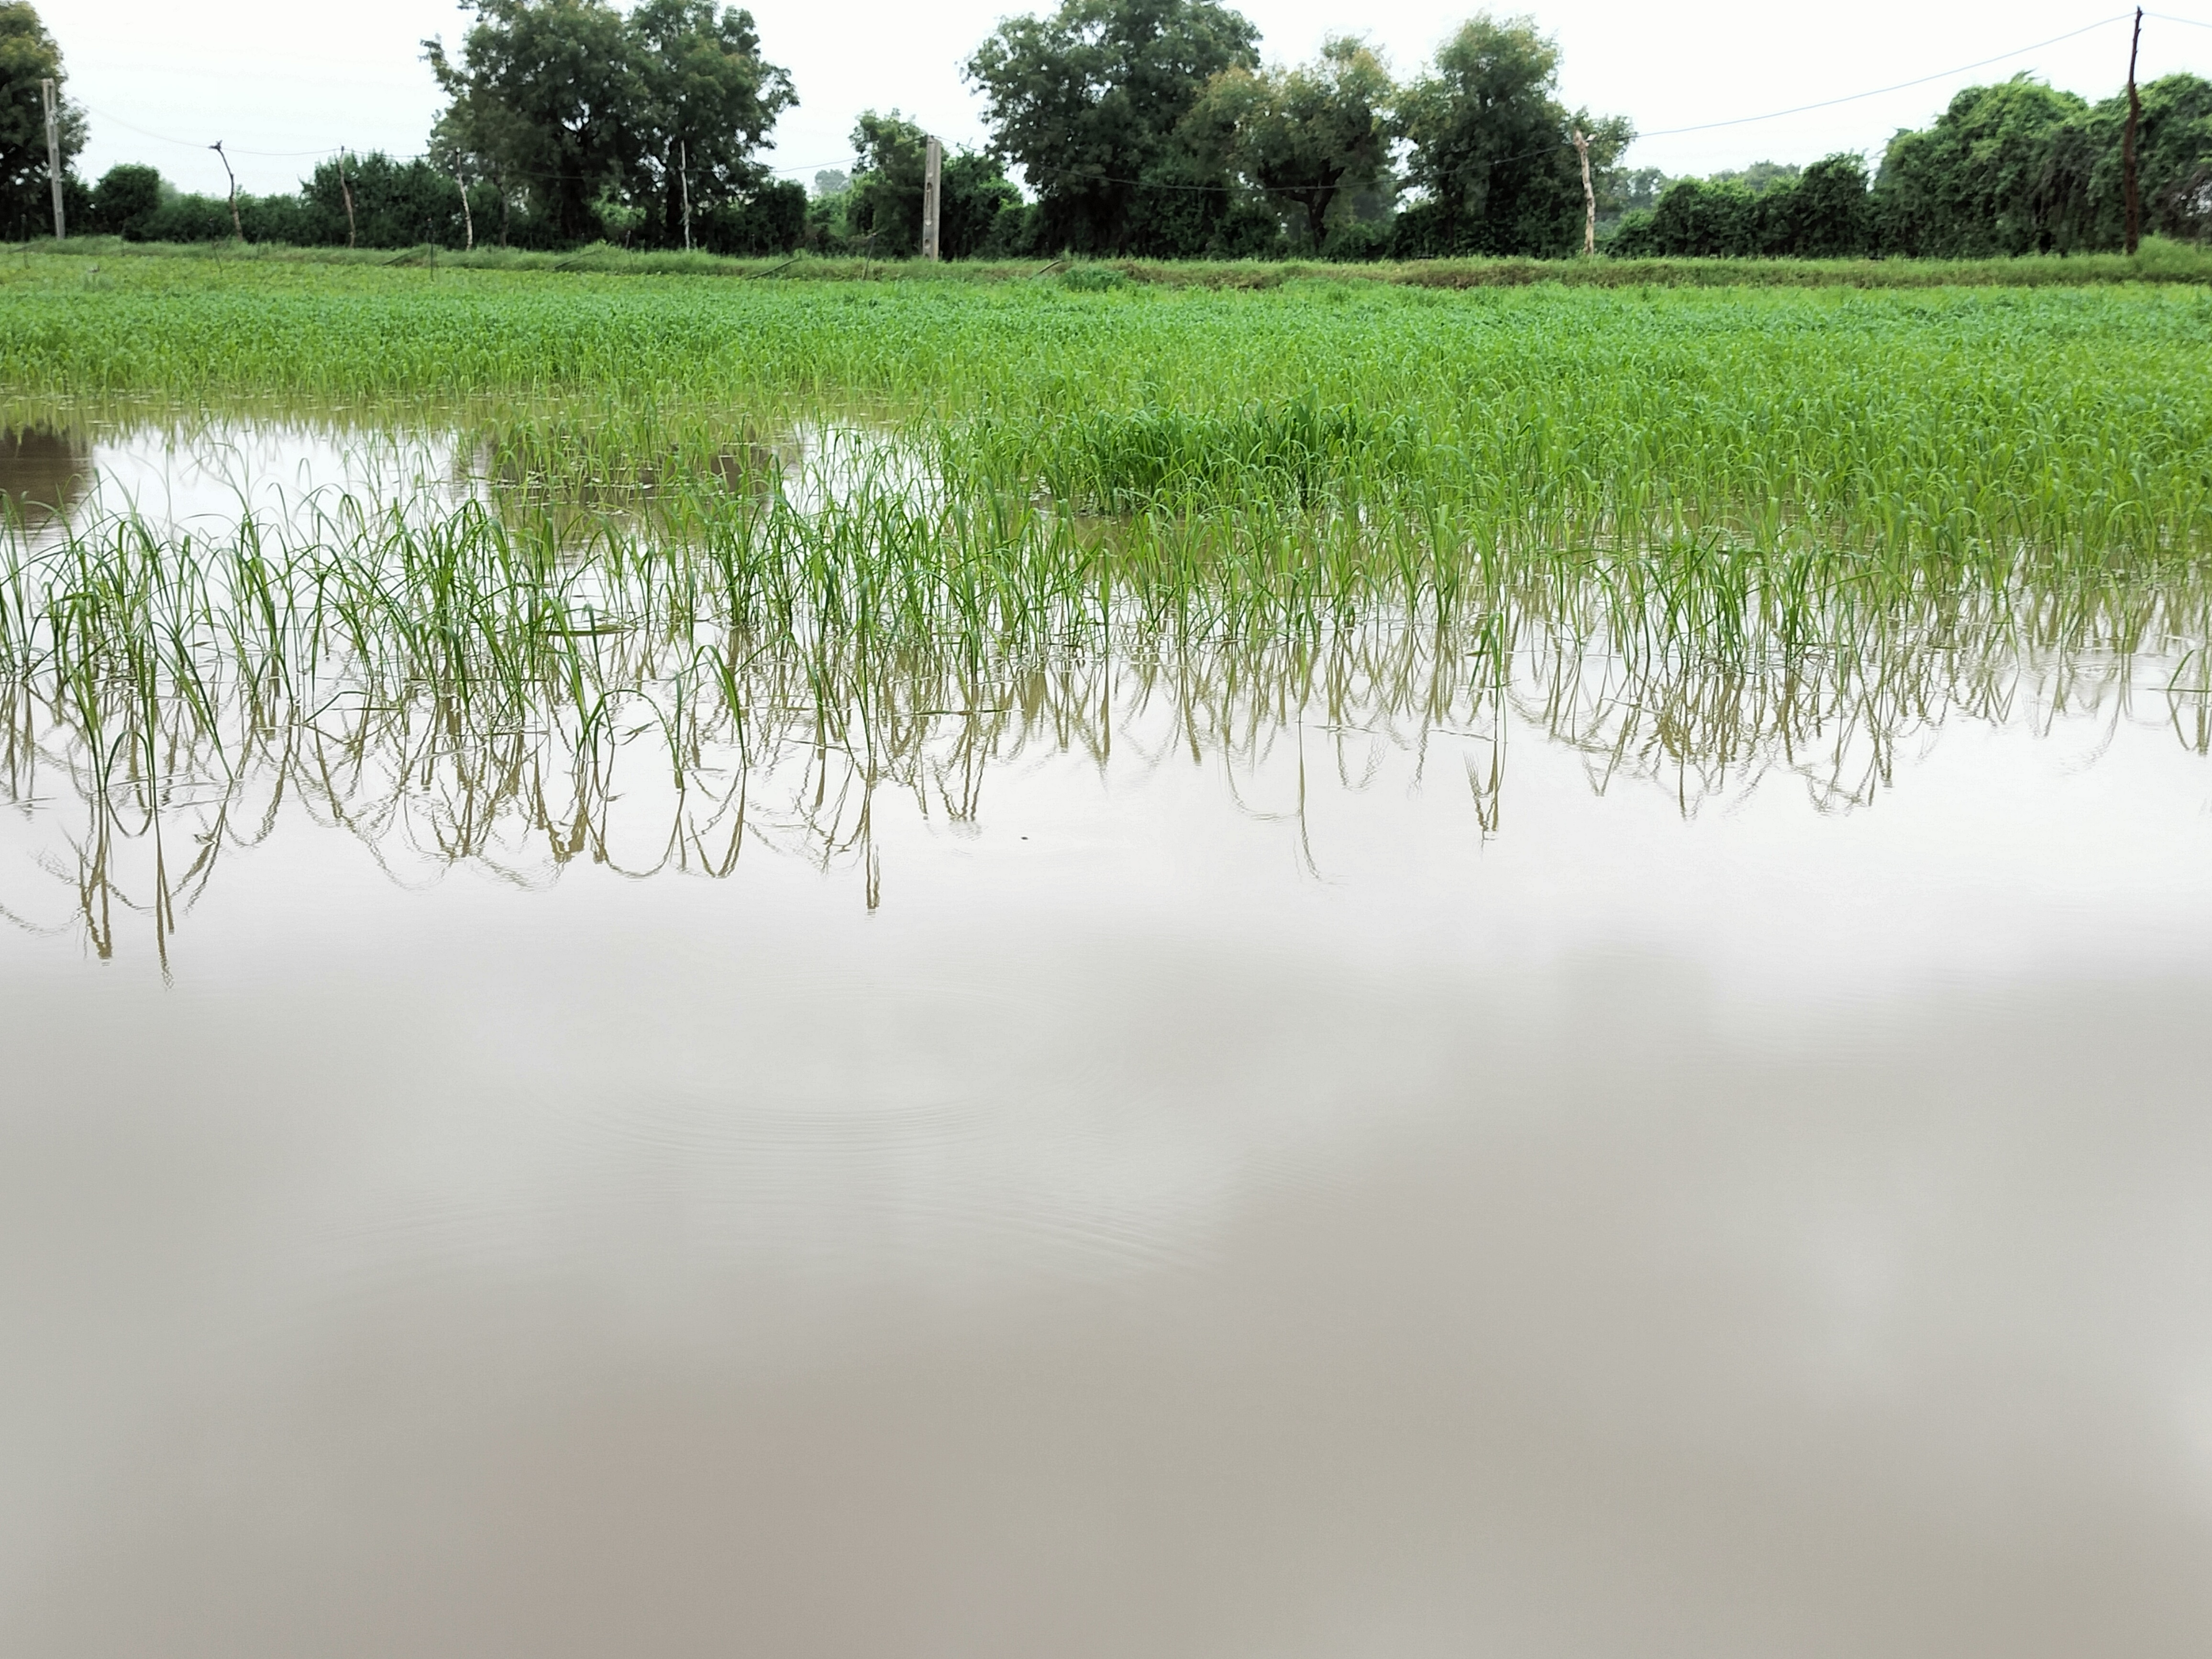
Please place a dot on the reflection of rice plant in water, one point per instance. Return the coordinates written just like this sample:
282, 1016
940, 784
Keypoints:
1699, 536
481, 684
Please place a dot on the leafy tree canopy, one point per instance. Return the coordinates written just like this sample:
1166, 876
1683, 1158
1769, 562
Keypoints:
2085, 195
1978, 182
1818, 212
1760, 176
883, 202
1493, 149
1301, 135
1088, 103
595, 115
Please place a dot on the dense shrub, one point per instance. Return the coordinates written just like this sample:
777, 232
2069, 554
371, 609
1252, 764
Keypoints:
124, 199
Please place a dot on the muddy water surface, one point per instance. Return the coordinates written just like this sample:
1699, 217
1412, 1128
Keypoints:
1164, 1190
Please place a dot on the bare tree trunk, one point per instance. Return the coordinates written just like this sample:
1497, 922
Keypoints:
2128, 141
1317, 202
237, 229
346, 190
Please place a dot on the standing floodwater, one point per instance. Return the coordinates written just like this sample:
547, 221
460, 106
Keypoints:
749, 1040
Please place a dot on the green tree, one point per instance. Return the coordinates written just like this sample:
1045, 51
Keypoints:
1823, 213
546, 100
711, 101
1819, 212
125, 201
1980, 181
1493, 149
1760, 176
770, 218
2173, 165
395, 203
592, 117
29, 55
1088, 103
981, 212
1698, 218
1635, 190
882, 203
1303, 136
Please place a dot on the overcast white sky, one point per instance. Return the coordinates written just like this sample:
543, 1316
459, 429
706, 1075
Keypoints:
279, 81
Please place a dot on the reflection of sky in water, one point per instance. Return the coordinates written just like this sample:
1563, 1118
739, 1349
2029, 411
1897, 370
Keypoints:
202, 481
206, 483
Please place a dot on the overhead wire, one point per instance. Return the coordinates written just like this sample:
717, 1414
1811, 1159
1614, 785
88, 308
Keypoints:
1921, 81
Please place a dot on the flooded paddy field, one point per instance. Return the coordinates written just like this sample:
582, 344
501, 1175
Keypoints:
1214, 1016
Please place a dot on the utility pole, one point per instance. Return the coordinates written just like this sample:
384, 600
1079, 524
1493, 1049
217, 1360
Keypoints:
2128, 141
236, 228
54, 157
1590, 198
683, 176
933, 192
346, 190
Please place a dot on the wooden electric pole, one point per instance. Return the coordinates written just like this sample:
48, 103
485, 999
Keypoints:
1589, 196
236, 228
931, 199
346, 190
54, 157
2128, 140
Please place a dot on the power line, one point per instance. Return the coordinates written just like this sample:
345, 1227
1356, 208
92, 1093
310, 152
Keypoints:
195, 144
1922, 80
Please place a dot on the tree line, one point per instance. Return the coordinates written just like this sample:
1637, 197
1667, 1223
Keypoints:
1148, 128
2008, 169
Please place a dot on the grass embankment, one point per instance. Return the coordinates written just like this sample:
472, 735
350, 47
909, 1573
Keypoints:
2159, 261
1781, 514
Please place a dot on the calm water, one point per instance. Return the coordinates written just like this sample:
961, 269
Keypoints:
1215, 1172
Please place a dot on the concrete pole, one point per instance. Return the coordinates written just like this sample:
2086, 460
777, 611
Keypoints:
1590, 198
54, 157
932, 199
